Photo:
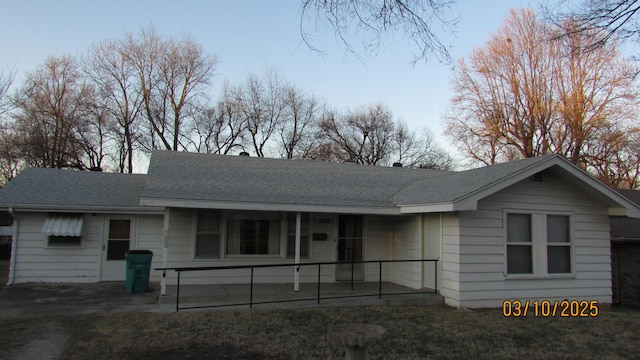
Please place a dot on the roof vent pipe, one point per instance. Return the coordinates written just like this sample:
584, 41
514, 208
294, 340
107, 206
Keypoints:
244, 153
397, 164
95, 169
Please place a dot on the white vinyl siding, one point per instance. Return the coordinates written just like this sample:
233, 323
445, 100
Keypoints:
181, 243
475, 257
38, 263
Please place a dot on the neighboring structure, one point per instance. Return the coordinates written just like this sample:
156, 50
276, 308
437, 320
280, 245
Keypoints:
625, 246
532, 229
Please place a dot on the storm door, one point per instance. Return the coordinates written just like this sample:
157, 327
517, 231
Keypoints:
350, 248
117, 242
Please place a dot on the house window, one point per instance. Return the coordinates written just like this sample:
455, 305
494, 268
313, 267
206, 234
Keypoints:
558, 244
253, 233
55, 240
291, 236
63, 230
207, 235
538, 244
519, 245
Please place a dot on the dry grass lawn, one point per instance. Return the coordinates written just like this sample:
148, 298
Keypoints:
412, 333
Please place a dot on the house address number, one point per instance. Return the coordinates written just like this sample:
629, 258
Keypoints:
550, 308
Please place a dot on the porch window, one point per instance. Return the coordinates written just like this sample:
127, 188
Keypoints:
291, 236
538, 244
207, 235
253, 234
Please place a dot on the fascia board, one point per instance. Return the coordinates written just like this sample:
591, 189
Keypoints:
225, 205
86, 209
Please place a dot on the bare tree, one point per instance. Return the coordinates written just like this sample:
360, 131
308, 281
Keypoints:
6, 80
374, 20
300, 121
50, 107
108, 65
10, 160
418, 149
262, 106
530, 92
171, 76
603, 19
363, 136
219, 129
506, 92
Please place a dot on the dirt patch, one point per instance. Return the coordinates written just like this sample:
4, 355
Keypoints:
45, 342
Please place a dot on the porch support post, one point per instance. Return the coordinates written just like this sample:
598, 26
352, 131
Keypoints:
296, 278
165, 244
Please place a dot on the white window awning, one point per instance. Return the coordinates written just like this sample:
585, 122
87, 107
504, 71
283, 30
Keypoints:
63, 226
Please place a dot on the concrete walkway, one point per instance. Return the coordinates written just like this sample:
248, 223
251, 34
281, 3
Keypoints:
282, 296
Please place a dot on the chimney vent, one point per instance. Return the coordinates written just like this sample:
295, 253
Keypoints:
95, 168
244, 153
397, 164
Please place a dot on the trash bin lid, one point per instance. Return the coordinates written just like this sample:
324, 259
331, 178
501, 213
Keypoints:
140, 252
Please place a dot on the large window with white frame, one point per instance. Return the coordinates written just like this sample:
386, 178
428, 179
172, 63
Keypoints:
253, 233
538, 243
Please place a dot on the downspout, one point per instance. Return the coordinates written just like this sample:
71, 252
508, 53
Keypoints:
165, 245
14, 242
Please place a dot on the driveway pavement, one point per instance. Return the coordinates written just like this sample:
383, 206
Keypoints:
65, 299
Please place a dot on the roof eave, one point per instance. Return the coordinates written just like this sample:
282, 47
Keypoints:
256, 206
469, 201
464, 205
82, 209
624, 206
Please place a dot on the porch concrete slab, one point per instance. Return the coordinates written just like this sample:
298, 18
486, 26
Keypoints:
226, 296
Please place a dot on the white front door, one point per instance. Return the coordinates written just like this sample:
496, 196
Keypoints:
117, 241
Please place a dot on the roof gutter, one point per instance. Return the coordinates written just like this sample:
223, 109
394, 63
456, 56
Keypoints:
14, 242
89, 209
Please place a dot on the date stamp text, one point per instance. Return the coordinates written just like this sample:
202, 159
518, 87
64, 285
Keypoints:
550, 308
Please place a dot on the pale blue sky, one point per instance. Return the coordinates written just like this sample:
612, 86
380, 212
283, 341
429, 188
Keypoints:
249, 35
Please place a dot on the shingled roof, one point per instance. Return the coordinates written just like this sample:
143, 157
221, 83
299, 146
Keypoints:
192, 180
191, 176
457, 185
72, 189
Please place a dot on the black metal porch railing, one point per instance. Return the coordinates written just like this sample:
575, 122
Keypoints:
318, 296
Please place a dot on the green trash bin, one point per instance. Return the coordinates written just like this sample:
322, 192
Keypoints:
138, 267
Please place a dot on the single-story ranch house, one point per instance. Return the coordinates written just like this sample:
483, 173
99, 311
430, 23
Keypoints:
531, 229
